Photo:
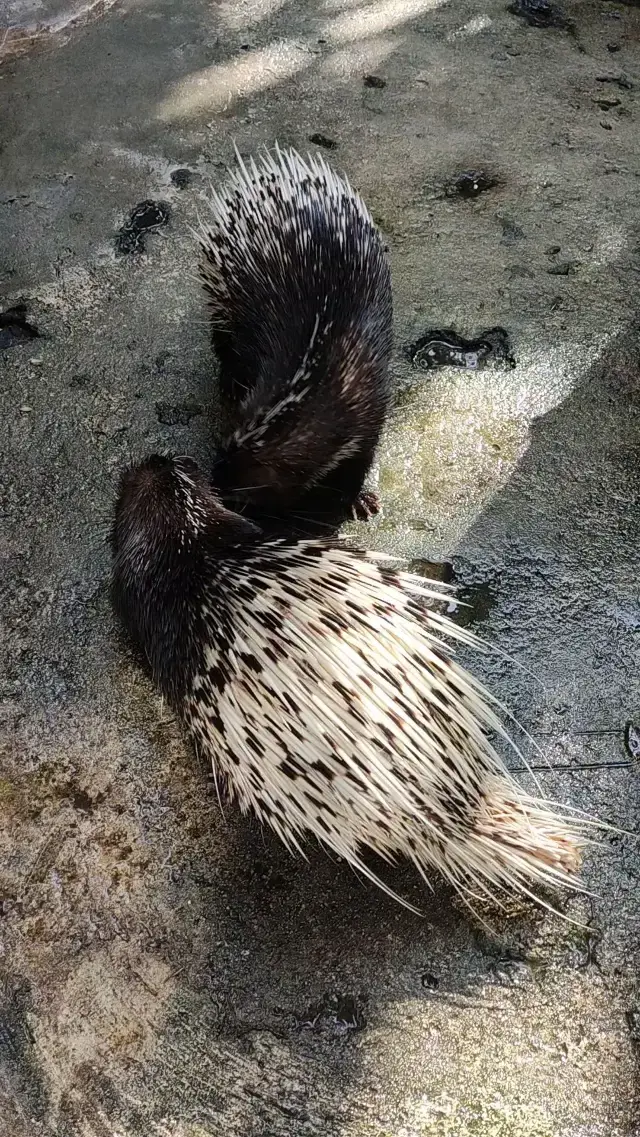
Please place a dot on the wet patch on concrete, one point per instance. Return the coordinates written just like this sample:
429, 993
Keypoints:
472, 184
146, 217
334, 1011
539, 13
475, 603
15, 328
433, 570
446, 348
324, 141
182, 177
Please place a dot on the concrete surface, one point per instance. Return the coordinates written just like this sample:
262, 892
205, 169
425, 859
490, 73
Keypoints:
167, 970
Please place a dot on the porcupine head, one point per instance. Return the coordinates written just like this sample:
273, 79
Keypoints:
321, 685
168, 522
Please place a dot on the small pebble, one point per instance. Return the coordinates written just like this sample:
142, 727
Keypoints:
375, 81
323, 140
606, 126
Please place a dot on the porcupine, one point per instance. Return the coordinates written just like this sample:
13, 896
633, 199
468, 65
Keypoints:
316, 677
299, 293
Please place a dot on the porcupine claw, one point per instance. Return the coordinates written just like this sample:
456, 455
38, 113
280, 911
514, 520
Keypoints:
368, 505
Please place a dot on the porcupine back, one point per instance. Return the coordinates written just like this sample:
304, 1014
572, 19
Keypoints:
299, 293
320, 685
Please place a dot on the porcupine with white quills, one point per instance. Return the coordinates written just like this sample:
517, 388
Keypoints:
318, 679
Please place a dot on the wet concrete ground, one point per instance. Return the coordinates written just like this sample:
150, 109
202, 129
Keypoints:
168, 970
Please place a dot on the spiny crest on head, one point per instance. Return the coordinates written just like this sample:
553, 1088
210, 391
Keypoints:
335, 707
281, 192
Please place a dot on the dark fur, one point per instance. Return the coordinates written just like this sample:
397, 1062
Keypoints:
295, 469
160, 565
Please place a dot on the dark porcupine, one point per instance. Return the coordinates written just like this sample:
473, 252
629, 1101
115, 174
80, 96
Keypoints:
301, 312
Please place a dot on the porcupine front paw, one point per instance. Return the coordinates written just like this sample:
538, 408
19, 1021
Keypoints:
366, 506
